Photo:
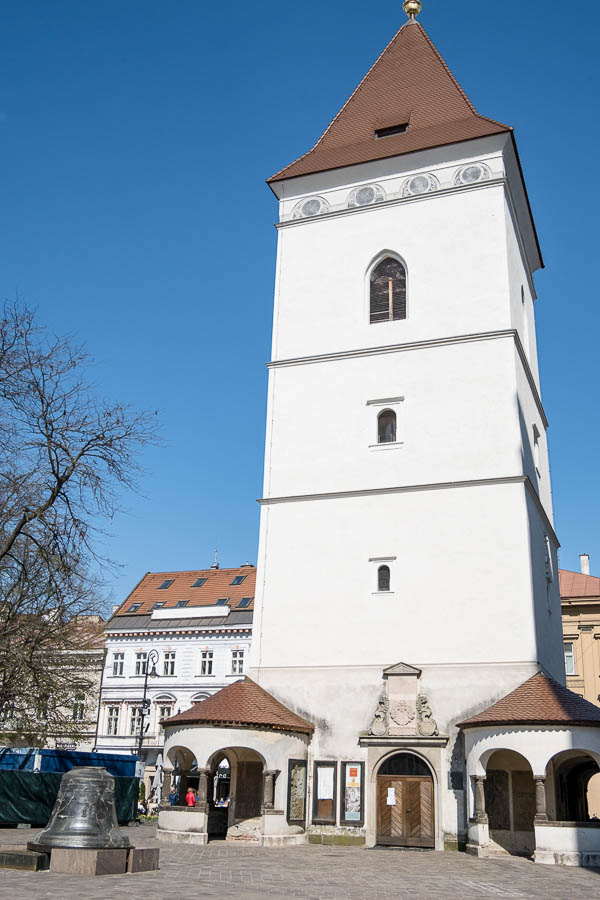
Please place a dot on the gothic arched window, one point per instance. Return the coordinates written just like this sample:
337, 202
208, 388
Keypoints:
386, 427
388, 291
383, 578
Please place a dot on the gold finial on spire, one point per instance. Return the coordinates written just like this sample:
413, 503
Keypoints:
412, 8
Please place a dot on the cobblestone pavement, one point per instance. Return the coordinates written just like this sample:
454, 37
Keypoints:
310, 873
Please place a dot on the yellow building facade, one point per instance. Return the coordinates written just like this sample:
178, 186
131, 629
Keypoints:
580, 603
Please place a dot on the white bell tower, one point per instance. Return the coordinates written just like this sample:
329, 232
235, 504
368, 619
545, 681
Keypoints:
406, 513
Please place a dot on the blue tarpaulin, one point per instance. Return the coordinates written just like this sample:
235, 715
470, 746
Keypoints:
24, 759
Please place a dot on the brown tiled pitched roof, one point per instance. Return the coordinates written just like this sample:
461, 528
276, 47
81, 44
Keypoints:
409, 83
575, 584
539, 701
218, 585
242, 703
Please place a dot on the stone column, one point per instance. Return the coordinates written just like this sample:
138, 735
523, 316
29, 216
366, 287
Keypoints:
166, 787
203, 776
540, 800
480, 814
269, 788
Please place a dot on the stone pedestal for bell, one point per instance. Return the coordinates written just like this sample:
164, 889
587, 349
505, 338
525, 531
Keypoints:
83, 835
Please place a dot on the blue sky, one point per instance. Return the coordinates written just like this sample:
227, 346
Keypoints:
135, 138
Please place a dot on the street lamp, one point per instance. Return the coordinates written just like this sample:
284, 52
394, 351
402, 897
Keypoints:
151, 660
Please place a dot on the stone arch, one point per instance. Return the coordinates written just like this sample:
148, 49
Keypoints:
569, 776
404, 785
237, 814
510, 800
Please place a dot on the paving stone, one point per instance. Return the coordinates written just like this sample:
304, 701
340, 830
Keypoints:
316, 872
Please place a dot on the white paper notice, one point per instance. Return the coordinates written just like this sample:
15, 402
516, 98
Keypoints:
325, 783
391, 797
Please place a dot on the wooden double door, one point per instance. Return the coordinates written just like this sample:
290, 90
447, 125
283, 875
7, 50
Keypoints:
405, 814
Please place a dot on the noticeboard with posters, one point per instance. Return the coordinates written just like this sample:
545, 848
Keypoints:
352, 794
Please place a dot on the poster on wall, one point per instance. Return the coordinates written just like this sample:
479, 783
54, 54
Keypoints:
324, 793
352, 793
297, 791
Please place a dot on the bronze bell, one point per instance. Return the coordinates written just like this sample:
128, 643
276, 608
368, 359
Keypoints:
84, 815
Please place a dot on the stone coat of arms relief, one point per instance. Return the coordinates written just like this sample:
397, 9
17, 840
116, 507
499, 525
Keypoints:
401, 708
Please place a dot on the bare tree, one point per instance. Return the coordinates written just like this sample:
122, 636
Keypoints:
65, 455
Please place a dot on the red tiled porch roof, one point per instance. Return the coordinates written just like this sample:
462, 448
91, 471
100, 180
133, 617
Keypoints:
538, 701
243, 703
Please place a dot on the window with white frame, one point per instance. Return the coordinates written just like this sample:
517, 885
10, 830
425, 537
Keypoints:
169, 663
118, 663
112, 720
141, 663
135, 721
237, 662
165, 710
206, 662
79, 708
569, 658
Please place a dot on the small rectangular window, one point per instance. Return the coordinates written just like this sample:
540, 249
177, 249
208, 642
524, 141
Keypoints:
181, 603
79, 710
536, 450
221, 601
238, 579
199, 582
206, 662
112, 721
135, 723
166, 584
164, 712
244, 602
324, 793
141, 663
118, 663
169, 663
237, 662
134, 607
569, 658
157, 605
391, 129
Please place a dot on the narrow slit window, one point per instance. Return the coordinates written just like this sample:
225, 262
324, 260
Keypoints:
386, 427
388, 291
383, 578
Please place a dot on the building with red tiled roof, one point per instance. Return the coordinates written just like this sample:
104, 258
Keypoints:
197, 627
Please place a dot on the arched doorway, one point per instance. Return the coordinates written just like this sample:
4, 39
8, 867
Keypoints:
575, 775
510, 802
235, 794
405, 802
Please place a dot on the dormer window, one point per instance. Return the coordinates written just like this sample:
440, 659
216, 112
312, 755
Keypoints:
387, 291
391, 129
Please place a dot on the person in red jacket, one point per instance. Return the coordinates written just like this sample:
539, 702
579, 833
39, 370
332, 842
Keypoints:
190, 797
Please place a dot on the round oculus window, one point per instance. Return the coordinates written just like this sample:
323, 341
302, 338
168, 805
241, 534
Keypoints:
366, 195
419, 184
311, 207
472, 173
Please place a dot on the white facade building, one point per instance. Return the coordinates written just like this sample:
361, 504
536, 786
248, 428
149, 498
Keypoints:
197, 626
406, 465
